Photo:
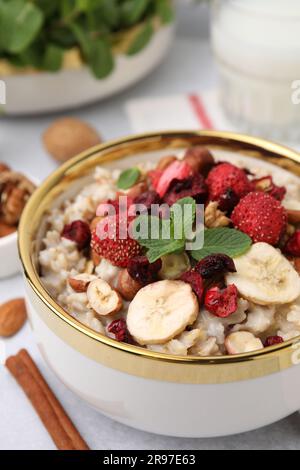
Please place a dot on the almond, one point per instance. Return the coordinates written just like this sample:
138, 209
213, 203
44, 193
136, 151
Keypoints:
127, 286
4, 167
95, 258
13, 315
95, 222
81, 282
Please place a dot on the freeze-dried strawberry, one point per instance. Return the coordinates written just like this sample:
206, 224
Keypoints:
261, 217
108, 242
225, 176
215, 264
142, 271
272, 340
194, 187
178, 170
221, 302
293, 245
196, 282
78, 232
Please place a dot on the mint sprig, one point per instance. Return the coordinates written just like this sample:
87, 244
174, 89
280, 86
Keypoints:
228, 241
128, 178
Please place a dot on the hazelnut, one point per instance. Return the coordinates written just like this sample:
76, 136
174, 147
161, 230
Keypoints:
137, 190
165, 162
67, 137
81, 282
127, 286
293, 216
6, 229
200, 159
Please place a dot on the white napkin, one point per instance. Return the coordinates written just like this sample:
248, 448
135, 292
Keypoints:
191, 111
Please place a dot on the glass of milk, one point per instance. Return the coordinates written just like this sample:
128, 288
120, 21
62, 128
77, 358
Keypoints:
257, 47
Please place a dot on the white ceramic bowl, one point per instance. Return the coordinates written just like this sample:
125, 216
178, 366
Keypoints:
164, 394
9, 255
46, 92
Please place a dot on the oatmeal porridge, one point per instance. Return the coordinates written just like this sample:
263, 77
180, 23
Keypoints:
237, 292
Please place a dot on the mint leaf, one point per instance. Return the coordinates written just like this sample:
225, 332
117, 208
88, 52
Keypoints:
229, 241
141, 40
165, 11
20, 23
53, 58
187, 205
101, 58
132, 11
128, 178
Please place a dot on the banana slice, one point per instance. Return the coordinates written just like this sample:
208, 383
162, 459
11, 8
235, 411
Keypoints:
242, 342
161, 311
103, 299
174, 265
264, 276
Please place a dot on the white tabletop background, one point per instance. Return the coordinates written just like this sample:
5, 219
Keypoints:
188, 68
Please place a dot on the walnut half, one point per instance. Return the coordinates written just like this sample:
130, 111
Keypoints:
213, 217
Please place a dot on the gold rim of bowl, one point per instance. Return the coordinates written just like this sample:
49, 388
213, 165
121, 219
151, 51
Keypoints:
124, 357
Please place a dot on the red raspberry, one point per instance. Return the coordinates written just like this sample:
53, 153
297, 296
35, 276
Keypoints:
194, 186
78, 232
225, 176
293, 245
196, 282
142, 271
178, 170
261, 217
221, 303
117, 250
119, 329
272, 340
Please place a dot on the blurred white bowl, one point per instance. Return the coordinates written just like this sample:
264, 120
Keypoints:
42, 92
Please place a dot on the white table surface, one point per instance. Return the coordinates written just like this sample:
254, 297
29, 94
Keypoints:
188, 68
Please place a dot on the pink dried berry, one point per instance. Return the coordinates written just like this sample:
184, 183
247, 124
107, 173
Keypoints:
221, 302
293, 245
142, 271
78, 232
215, 264
119, 329
177, 170
272, 340
196, 282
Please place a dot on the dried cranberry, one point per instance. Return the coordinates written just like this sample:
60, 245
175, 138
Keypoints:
293, 245
193, 186
142, 271
267, 185
148, 199
228, 200
196, 282
119, 329
213, 265
272, 340
221, 302
78, 232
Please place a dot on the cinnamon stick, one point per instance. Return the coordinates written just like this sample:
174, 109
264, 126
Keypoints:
55, 419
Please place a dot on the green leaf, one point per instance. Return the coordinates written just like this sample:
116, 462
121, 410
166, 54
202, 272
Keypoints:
53, 58
141, 40
101, 58
187, 206
128, 178
165, 11
132, 11
229, 241
20, 23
